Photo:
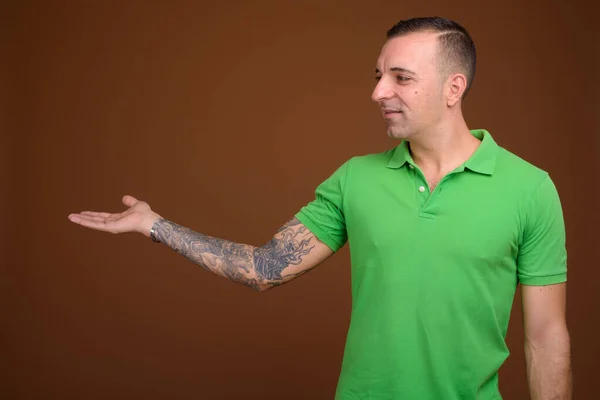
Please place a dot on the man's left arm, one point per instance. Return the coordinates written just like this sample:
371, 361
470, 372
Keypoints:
542, 272
547, 344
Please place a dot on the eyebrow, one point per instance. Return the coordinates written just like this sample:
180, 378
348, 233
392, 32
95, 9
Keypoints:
397, 69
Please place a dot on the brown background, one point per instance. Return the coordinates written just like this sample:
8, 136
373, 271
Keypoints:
225, 116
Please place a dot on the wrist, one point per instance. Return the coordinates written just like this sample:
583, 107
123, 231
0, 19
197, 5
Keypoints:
148, 222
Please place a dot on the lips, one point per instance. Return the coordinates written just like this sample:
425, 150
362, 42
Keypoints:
390, 112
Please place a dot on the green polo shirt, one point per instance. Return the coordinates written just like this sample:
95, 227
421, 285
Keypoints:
434, 274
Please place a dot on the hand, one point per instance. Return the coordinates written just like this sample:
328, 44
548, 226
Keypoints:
138, 218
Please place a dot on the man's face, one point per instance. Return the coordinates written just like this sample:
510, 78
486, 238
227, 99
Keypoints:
409, 87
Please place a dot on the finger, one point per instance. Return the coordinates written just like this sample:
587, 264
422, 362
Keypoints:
90, 217
129, 201
89, 223
95, 214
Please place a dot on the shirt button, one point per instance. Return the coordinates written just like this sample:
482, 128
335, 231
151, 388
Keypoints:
421, 189
411, 166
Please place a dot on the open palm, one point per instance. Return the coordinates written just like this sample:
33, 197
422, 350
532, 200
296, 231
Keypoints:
131, 220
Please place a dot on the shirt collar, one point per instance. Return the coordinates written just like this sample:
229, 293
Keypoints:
482, 161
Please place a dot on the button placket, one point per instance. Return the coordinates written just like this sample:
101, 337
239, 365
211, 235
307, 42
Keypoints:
420, 188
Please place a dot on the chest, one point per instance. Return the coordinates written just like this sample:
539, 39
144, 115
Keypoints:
465, 218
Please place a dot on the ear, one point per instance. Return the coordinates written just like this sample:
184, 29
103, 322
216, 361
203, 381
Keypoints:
457, 84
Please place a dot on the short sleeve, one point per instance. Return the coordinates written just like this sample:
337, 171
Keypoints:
542, 258
324, 216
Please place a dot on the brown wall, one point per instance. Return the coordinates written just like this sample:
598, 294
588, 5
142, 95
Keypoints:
225, 116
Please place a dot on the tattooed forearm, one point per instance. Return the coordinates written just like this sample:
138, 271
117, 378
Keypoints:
256, 267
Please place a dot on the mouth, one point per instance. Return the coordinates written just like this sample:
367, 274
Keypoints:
390, 113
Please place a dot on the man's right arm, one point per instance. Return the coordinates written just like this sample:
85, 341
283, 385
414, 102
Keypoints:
293, 251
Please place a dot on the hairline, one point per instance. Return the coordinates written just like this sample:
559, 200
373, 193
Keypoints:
444, 63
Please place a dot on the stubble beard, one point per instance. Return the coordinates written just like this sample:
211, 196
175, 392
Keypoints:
397, 131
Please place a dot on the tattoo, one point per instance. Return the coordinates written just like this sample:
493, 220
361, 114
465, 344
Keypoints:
255, 267
289, 224
280, 252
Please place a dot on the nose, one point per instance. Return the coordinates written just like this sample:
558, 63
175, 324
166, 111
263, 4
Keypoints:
382, 91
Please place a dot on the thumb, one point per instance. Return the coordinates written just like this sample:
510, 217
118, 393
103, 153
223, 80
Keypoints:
129, 201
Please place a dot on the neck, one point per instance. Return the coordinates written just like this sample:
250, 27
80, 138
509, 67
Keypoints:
443, 147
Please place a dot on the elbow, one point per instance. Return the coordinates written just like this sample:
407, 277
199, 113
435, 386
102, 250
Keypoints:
556, 335
264, 286
257, 285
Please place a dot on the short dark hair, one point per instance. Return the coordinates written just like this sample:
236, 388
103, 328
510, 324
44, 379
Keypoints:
456, 47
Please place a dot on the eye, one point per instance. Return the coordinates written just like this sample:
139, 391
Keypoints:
377, 78
401, 78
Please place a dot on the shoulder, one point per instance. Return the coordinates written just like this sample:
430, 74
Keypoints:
517, 170
370, 161
528, 184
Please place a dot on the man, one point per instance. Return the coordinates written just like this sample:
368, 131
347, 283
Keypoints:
442, 229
